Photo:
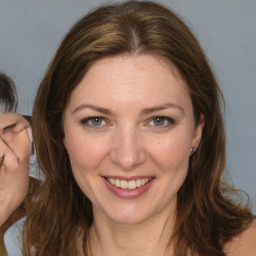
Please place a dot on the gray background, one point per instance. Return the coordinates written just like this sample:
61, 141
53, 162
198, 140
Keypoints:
30, 31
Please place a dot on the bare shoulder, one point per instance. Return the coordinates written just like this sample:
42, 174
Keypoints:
243, 244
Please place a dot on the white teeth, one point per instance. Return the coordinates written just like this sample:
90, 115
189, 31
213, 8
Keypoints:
112, 181
117, 183
123, 184
132, 184
138, 183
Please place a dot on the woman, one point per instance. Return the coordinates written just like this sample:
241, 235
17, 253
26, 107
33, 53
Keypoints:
15, 147
129, 134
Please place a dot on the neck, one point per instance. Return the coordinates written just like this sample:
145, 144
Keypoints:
147, 238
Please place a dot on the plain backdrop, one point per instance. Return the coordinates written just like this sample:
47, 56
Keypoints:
31, 30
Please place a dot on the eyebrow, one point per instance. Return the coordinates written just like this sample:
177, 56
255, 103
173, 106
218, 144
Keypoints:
162, 107
143, 112
96, 108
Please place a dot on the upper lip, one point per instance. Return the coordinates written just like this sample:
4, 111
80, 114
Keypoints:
128, 178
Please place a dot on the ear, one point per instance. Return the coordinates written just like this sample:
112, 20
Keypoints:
198, 132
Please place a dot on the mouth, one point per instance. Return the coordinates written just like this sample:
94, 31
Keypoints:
129, 188
128, 184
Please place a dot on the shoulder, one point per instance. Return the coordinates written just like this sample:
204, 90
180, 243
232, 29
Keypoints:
244, 243
13, 238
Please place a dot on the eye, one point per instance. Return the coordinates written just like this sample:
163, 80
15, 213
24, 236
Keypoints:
94, 122
161, 122
9, 128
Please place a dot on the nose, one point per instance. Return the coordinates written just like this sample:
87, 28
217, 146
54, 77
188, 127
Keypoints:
127, 149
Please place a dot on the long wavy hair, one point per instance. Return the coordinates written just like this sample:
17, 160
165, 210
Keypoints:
207, 215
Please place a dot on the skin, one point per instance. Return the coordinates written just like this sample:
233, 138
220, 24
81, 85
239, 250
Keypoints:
15, 144
244, 243
128, 143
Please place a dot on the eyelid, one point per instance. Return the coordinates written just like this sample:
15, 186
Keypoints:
8, 128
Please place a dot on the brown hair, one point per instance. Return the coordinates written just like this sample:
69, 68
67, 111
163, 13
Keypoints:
206, 216
8, 94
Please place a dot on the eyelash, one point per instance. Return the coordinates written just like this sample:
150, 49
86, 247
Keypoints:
167, 122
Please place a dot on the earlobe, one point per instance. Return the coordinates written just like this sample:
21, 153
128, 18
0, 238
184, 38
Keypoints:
198, 132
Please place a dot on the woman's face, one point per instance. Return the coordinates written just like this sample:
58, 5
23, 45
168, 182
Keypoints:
129, 128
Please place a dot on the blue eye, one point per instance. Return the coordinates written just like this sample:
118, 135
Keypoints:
161, 122
94, 122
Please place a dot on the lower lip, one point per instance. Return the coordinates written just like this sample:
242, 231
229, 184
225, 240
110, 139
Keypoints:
127, 193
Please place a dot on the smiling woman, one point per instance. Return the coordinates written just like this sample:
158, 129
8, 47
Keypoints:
129, 134
124, 143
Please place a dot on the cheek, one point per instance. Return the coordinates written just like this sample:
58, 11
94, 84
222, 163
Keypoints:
172, 151
21, 181
84, 153
172, 158
23, 150
24, 178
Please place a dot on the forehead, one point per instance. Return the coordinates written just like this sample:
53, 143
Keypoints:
9, 118
144, 80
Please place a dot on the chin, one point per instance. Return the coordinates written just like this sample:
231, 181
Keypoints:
128, 215
127, 220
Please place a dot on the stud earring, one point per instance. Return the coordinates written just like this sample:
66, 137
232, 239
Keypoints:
193, 151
